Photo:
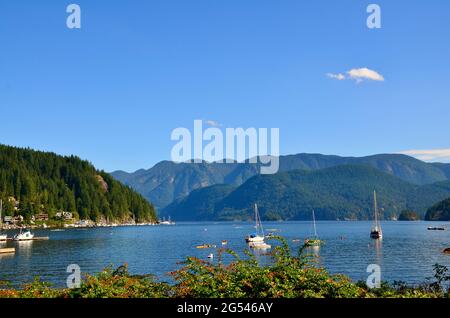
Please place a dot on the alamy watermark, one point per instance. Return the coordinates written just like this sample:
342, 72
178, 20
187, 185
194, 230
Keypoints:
374, 19
74, 19
233, 145
74, 279
374, 279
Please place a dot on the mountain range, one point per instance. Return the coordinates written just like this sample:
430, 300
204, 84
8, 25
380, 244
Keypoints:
336, 193
172, 186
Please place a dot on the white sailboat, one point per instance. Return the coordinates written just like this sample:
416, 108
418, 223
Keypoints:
376, 232
314, 241
169, 222
256, 240
3, 237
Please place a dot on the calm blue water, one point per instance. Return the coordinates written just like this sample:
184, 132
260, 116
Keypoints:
407, 252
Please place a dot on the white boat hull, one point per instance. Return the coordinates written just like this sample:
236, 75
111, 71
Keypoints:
27, 236
3, 237
255, 239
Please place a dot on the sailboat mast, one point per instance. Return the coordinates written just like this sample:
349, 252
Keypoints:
258, 221
1, 210
375, 208
256, 218
314, 223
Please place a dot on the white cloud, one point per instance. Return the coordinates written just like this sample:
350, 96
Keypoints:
431, 155
213, 123
339, 77
358, 74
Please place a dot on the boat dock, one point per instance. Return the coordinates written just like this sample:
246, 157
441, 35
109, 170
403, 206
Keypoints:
42, 238
7, 250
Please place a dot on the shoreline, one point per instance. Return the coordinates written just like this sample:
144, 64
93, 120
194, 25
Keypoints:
74, 226
91, 224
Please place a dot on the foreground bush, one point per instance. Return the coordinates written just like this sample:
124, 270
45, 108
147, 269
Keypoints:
287, 276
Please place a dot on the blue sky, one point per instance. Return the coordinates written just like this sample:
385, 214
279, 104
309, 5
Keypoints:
113, 91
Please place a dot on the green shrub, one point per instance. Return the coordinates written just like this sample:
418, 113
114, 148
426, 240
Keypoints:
286, 276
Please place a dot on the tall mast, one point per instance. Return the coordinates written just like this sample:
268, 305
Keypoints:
1, 210
258, 221
314, 223
375, 208
256, 217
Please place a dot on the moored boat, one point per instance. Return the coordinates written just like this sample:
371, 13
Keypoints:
376, 232
258, 236
3, 237
168, 222
436, 228
256, 240
204, 246
23, 236
313, 241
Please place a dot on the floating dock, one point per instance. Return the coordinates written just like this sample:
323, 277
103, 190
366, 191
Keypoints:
42, 238
7, 250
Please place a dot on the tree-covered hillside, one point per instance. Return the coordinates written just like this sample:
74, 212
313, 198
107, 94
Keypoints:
33, 182
341, 192
200, 204
439, 212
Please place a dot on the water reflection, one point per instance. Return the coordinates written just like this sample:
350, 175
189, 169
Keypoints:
315, 250
6, 256
379, 252
158, 250
24, 248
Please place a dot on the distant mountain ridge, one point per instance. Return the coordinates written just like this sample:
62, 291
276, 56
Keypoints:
167, 181
336, 193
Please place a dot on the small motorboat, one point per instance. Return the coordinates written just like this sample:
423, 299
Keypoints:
436, 228
446, 251
204, 246
23, 236
224, 242
211, 256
